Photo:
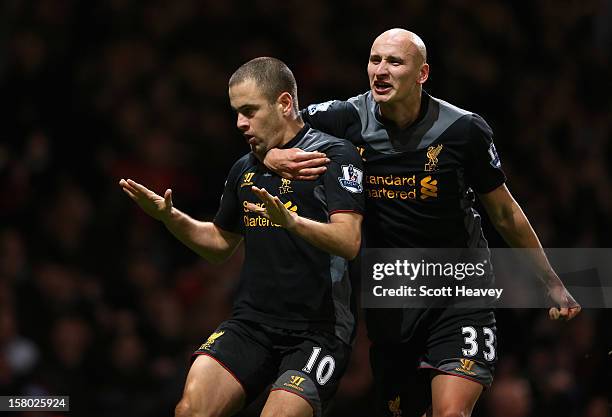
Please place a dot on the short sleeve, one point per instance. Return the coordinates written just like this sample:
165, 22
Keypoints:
343, 180
483, 167
228, 215
332, 117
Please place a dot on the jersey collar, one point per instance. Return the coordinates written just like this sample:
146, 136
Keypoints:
297, 138
422, 113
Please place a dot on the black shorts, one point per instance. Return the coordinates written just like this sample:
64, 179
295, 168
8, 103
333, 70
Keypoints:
454, 342
306, 363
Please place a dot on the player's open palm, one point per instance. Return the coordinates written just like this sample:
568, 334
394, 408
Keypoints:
153, 204
273, 210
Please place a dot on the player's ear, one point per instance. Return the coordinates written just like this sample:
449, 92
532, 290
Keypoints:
423, 73
285, 101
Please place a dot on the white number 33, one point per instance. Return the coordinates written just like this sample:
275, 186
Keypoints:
472, 346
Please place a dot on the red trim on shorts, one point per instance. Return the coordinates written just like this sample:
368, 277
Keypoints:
224, 367
301, 396
457, 375
345, 211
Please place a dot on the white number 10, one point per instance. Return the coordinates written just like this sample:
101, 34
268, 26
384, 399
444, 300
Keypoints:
324, 370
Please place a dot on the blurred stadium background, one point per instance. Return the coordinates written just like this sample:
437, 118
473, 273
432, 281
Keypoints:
99, 302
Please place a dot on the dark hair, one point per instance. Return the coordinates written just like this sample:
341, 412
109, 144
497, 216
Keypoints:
271, 75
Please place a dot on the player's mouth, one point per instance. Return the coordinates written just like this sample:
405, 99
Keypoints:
381, 87
250, 139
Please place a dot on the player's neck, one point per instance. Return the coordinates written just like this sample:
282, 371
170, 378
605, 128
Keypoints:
404, 113
292, 129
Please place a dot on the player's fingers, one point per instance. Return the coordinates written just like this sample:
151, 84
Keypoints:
254, 208
307, 178
573, 312
258, 210
133, 183
259, 192
124, 183
261, 211
279, 204
130, 194
563, 312
553, 313
312, 171
137, 193
305, 156
262, 194
140, 188
312, 163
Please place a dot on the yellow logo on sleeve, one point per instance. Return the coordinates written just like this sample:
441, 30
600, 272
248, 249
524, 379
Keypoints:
294, 382
297, 380
213, 337
466, 367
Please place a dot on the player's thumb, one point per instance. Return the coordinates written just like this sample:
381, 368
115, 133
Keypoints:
553, 313
168, 198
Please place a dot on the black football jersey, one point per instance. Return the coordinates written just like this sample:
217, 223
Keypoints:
420, 183
287, 282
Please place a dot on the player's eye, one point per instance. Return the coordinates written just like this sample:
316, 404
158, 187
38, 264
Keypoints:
248, 112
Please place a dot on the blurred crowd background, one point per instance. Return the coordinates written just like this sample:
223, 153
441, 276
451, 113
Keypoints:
99, 302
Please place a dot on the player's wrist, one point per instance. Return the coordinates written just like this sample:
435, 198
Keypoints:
270, 159
551, 280
169, 216
294, 223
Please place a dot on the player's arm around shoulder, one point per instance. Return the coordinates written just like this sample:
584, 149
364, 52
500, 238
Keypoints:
333, 117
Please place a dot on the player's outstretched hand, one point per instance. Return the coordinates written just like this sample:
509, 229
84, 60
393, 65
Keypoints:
296, 164
567, 308
153, 204
273, 210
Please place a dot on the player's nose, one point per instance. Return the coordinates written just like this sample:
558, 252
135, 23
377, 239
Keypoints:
381, 69
242, 123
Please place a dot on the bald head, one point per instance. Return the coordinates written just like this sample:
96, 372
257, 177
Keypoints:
410, 40
397, 70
